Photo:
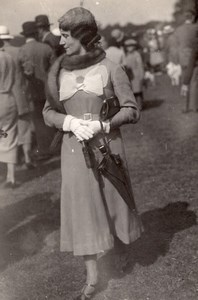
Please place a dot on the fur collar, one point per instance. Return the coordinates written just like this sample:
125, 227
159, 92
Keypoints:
70, 63
77, 62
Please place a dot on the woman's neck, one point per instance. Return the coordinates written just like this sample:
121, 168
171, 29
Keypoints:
82, 51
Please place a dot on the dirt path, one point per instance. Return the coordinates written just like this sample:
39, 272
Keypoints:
163, 264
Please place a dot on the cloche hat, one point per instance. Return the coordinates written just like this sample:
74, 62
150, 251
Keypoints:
76, 17
117, 34
82, 25
130, 42
4, 33
42, 21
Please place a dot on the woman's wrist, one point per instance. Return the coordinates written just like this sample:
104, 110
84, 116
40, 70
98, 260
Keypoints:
106, 126
67, 122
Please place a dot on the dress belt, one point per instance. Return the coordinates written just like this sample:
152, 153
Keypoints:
89, 116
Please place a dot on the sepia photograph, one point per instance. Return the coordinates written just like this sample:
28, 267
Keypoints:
98, 149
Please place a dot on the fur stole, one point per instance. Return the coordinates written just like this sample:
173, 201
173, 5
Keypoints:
70, 63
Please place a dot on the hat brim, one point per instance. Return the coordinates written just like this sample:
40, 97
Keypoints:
132, 44
26, 33
43, 25
6, 37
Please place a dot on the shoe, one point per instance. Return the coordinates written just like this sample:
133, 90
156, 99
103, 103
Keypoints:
44, 156
30, 165
87, 292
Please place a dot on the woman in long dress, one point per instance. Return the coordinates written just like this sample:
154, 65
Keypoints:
92, 211
8, 117
134, 64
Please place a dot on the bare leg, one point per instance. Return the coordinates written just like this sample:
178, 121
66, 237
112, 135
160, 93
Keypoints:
91, 267
10, 172
26, 151
92, 277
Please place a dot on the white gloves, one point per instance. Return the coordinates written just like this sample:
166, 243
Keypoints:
95, 126
84, 129
77, 126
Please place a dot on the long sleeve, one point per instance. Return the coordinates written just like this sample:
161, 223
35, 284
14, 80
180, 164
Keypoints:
53, 118
129, 112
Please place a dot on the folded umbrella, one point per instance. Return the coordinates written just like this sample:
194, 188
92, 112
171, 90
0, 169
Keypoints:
112, 168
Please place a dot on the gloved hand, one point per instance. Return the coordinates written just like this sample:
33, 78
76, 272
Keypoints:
81, 130
95, 126
78, 127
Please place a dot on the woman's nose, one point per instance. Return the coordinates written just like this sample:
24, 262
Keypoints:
62, 41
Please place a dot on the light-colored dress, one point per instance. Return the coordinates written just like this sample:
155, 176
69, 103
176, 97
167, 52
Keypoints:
8, 111
115, 54
92, 211
23, 107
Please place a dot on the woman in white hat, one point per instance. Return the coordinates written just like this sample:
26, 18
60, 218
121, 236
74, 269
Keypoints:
93, 213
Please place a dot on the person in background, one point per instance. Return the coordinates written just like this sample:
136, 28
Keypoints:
35, 59
46, 36
113, 53
24, 117
185, 37
119, 36
135, 67
190, 82
93, 213
8, 117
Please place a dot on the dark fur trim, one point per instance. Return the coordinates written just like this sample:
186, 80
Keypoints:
77, 62
53, 86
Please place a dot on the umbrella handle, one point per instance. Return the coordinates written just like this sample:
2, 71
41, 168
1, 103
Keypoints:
106, 145
87, 155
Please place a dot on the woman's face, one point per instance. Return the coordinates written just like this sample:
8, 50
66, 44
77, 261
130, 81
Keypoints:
71, 45
130, 49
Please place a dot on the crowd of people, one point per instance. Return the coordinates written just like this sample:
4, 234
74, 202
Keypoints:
166, 50
23, 75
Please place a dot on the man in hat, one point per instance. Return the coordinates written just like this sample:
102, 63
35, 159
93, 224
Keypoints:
35, 60
46, 36
185, 37
24, 118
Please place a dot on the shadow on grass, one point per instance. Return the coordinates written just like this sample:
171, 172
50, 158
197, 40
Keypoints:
24, 227
23, 175
39, 171
149, 104
160, 226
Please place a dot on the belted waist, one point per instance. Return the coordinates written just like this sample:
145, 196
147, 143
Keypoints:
89, 116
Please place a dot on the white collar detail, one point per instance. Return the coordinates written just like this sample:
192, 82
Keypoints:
90, 80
